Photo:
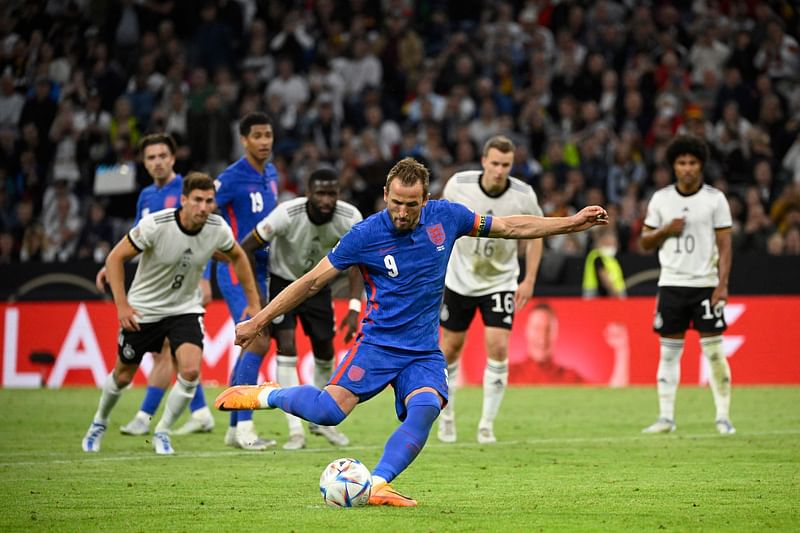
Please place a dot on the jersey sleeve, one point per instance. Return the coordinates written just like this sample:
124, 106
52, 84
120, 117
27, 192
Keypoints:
223, 190
653, 217
141, 236
532, 201
273, 224
722, 213
347, 251
468, 222
225, 239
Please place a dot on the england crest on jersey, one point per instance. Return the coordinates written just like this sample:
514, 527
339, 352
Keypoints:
436, 234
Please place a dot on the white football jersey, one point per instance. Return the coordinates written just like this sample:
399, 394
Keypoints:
172, 262
296, 243
480, 265
689, 260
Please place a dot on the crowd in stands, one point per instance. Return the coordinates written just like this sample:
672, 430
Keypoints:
590, 92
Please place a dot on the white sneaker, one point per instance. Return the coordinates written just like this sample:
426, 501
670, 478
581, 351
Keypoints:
200, 421
248, 439
725, 427
162, 444
447, 430
486, 435
230, 437
296, 441
139, 425
333, 435
91, 442
662, 425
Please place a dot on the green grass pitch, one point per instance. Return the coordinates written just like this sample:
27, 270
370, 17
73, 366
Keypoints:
567, 459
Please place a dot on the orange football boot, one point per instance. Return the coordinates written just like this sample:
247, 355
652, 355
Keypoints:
245, 397
384, 494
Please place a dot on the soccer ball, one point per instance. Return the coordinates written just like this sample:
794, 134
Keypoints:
345, 483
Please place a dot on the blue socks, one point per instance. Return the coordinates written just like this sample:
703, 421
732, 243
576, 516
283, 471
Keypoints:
309, 403
247, 374
199, 399
152, 398
407, 440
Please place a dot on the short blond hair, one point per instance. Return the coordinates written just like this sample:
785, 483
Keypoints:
409, 171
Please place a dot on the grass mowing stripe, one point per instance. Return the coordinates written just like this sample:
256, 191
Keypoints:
431, 445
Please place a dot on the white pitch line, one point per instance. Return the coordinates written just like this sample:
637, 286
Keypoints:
97, 458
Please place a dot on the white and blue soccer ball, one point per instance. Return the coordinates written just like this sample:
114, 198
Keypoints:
345, 482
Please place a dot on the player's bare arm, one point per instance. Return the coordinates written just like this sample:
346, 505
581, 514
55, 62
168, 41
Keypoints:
245, 274
289, 298
533, 257
653, 238
115, 273
350, 321
533, 227
250, 245
724, 246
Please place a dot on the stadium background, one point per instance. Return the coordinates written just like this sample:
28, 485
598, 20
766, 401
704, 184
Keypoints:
591, 92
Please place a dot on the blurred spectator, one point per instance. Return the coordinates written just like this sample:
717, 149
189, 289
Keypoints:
97, 234
8, 254
39, 109
11, 102
62, 231
213, 40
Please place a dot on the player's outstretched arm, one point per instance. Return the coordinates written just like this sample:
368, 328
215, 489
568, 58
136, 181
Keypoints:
115, 274
249, 245
289, 298
532, 227
245, 274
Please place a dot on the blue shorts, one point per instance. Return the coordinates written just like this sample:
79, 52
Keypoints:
367, 369
233, 292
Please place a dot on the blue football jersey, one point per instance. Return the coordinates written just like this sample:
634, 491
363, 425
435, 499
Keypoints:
404, 271
153, 199
244, 197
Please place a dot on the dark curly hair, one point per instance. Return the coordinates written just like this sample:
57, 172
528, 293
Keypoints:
687, 145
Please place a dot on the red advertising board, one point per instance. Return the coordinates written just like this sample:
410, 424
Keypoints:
603, 342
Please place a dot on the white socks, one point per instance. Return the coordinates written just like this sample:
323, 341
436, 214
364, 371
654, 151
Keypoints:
177, 400
108, 399
323, 370
495, 380
286, 370
449, 413
669, 375
720, 379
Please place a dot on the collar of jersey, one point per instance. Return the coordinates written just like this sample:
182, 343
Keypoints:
180, 226
496, 195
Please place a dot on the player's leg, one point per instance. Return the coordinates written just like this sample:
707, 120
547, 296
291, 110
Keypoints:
323, 352
362, 373
286, 373
497, 310
420, 391
157, 383
710, 322
455, 317
246, 436
242, 432
316, 316
495, 381
132, 347
671, 321
186, 340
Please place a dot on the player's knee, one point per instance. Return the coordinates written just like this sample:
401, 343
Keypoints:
123, 376
426, 406
190, 374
